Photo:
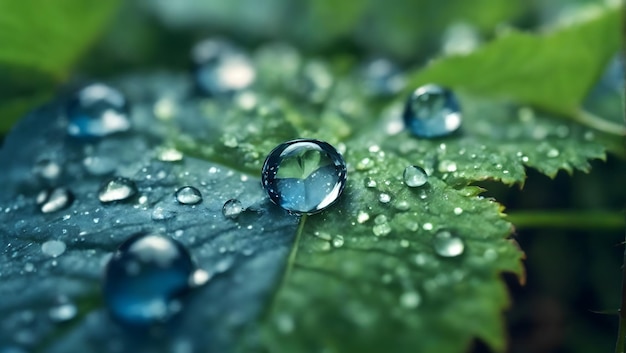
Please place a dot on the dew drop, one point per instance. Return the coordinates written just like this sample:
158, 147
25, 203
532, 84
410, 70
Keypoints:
338, 241
381, 229
370, 183
54, 200
53, 248
382, 77
384, 198
362, 217
414, 176
427, 226
432, 111
553, 153
448, 245
447, 166
188, 195
458, 210
145, 279
304, 176
232, 209
220, 68
47, 169
117, 189
402, 205
169, 154
95, 111
365, 164
63, 312
410, 300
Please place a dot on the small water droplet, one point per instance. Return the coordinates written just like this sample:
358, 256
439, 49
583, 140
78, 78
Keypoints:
362, 217
384, 198
448, 245
63, 312
338, 241
370, 183
458, 210
410, 299
553, 153
169, 154
365, 164
402, 205
117, 189
188, 195
427, 226
381, 229
145, 278
447, 166
404, 243
432, 111
232, 209
97, 110
47, 169
589, 136
304, 176
414, 176
221, 68
54, 200
382, 77
53, 248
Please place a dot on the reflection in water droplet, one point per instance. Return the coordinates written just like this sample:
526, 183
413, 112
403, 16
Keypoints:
53, 248
410, 300
304, 176
54, 200
448, 245
414, 176
232, 208
432, 111
188, 195
117, 189
145, 279
97, 110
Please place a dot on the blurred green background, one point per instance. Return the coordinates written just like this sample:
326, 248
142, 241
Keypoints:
572, 273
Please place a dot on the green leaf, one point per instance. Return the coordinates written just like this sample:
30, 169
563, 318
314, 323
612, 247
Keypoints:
40, 42
552, 71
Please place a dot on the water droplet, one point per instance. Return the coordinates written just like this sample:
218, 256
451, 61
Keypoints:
97, 110
382, 77
402, 205
448, 245
117, 189
432, 111
169, 154
447, 166
380, 219
414, 176
54, 200
370, 183
220, 68
362, 217
381, 229
188, 195
404, 243
427, 226
53, 248
47, 169
458, 210
553, 153
338, 241
145, 279
410, 300
232, 209
365, 164
384, 198
304, 176
62, 312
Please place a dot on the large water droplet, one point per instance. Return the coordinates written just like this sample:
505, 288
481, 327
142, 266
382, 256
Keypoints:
447, 244
145, 279
53, 248
232, 209
117, 189
188, 195
414, 176
54, 200
432, 111
304, 176
97, 110
220, 68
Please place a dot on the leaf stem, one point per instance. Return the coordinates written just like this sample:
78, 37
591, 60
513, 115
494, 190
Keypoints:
589, 119
579, 220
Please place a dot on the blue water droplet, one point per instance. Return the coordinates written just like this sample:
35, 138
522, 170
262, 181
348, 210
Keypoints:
232, 209
97, 110
188, 195
221, 68
54, 200
117, 189
304, 175
145, 279
432, 111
